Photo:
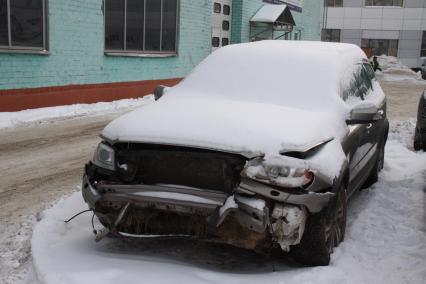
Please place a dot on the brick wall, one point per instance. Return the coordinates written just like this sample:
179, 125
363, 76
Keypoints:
76, 46
311, 19
243, 11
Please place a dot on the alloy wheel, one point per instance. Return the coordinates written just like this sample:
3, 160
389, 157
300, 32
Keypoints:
336, 223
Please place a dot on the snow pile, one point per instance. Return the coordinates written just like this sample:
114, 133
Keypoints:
274, 72
232, 126
394, 70
254, 106
11, 119
385, 241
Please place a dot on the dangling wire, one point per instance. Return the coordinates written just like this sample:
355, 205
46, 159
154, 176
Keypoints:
78, 215
93, 223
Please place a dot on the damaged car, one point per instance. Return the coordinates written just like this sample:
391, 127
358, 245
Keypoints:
248, 150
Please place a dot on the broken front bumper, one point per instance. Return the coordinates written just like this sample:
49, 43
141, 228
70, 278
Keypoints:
253, 214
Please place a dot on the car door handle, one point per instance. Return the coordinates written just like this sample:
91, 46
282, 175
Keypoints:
369, 125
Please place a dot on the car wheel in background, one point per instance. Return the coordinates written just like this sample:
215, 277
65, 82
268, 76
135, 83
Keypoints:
417, 141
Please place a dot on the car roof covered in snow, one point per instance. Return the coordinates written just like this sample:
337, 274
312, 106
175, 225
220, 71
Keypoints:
290, 73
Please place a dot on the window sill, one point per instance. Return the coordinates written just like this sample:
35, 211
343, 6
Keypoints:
140, 54
24, 51
379, 7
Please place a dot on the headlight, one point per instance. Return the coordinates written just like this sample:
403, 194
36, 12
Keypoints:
104, 157
279, 175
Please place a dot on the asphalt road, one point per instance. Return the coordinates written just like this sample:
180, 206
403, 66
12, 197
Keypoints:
41, 163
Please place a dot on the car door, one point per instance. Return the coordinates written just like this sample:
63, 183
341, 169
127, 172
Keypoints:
374, 130
361, 145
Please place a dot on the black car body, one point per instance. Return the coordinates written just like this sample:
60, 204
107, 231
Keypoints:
268, 167
420, 132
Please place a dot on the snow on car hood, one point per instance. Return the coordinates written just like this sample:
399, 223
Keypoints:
248, 128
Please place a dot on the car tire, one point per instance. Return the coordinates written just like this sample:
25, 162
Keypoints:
323, 232
378, 166
417, 144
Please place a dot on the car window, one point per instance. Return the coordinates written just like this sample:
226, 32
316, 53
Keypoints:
370, 70
360, 84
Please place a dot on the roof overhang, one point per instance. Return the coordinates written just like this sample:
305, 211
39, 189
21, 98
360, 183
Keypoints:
274, 14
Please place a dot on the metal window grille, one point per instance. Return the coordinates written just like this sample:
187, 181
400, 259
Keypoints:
166, 42
28, 30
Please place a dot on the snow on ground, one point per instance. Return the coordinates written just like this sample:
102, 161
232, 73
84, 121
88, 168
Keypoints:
394, 71
385, 241
39, 115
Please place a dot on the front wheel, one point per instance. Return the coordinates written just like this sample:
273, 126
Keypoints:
323, 232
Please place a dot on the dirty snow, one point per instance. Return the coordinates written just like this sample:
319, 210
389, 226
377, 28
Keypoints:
385, 241
255, 203
393, 70
40, 115
229, 204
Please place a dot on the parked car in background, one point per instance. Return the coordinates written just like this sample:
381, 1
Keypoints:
420, 133
422, 69
248, 150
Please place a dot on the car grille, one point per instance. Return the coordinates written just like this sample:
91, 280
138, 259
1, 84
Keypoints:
179, 166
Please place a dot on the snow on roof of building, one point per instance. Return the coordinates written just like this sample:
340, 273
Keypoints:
273, 13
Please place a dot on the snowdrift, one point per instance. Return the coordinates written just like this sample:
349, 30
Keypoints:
394, 70
13, 119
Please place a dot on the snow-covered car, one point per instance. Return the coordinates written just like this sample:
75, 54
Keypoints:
249, 149
420, 133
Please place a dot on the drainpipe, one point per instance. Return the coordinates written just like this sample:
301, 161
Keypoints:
324, 17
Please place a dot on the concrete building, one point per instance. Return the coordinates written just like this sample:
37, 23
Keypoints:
390, 27
55, 52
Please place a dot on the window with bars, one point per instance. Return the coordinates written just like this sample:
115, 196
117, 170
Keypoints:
23, 25
396, 3
141, 26
331, 35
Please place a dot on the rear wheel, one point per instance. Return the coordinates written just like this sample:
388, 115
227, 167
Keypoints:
323, 232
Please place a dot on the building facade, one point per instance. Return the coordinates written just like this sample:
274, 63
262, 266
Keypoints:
55, 52
390, 27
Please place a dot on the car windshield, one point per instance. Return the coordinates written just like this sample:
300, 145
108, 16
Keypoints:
273, 72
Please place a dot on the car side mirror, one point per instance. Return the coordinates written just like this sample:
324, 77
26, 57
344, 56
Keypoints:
365, 113
160, 91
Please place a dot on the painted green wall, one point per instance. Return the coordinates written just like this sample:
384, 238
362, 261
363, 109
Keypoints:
311, 19
76, 45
